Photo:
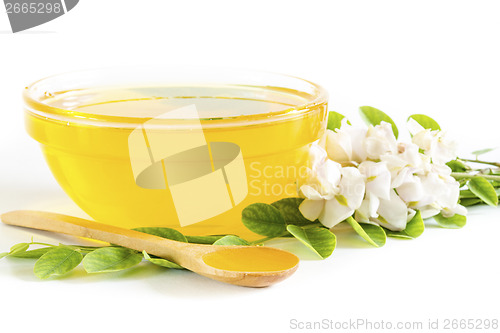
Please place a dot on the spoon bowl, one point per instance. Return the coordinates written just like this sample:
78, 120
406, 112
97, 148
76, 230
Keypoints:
249, 266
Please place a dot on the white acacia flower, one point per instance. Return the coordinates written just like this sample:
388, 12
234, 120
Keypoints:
405, 162
411, 188
378, 178
423, 184
332, 193
405, 168
457, 209
346, 144
380, 140
441, 194
434, 143
350, 144
381, 204
392, 213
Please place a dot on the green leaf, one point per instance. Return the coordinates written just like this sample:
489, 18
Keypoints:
457, 166
203, 239
15, 249
454, 222
110, 259
161, 262
425, 121
33, 254
481, 187
163, 232
335, 120
467, 194
289, 209
467, 202
321, 240
18, 248
414, 228
374, 117
482, 151
263, 219
396, 234
231, 240
373, 234
58, 261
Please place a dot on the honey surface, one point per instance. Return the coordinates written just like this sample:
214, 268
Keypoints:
251, 259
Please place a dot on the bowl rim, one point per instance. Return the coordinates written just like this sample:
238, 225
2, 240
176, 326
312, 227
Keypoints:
36, 107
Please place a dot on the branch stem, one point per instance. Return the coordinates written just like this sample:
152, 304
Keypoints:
464, 175
265, 239
45, 244
479, 161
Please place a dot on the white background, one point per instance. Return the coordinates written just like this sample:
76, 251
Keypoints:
435, 57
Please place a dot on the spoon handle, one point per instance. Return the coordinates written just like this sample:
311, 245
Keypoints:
84, 228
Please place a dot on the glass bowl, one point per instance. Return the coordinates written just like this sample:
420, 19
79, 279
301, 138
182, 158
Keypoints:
185, 148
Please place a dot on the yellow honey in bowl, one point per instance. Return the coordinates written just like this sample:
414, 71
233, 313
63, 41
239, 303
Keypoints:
260, 134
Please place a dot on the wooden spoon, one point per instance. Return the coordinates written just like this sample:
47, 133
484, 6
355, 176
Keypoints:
249, 266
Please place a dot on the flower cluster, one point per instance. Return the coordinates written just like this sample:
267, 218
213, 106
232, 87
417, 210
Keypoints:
366, 173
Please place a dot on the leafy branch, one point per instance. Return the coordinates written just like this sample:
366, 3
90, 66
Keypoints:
55, 260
